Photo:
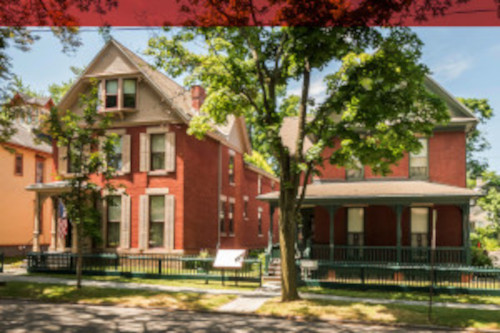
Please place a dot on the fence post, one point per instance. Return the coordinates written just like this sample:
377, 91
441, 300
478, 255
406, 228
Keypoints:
260, 273
159, 266
363, 276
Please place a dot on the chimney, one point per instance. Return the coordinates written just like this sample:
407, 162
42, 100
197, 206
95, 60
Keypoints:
197, 97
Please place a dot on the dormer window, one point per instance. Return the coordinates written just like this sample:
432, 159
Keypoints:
119, 94
129, 93
111, 93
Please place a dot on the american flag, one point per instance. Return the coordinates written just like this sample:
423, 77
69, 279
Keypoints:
63, 220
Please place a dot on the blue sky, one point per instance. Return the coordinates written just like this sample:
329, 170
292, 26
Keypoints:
465, 61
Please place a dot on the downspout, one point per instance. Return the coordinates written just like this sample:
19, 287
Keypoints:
219, 189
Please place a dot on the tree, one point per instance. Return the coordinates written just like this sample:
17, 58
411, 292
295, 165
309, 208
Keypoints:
376, 101
88, 149
15, 16
476, 139
58, 90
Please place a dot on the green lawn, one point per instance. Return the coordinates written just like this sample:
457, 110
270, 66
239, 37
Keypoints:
378, 313
108, 296
410, 296
212, 284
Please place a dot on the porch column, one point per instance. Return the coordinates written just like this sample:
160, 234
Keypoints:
53, 225
36, 226
465, 232
270, 231
399, 214
331, 212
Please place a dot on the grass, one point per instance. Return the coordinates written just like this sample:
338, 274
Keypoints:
108, 296
408, 296
378, 313
212, 284
13, 262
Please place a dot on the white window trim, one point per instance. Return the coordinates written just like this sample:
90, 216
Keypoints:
260, 211
126, 150
124, 220
145, 151
119, 103
232, 154
245, 204
169, 222
259, 184
222, 204
232, 214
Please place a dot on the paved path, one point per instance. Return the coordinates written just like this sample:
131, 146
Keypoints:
23, 316
244, 304
262, 293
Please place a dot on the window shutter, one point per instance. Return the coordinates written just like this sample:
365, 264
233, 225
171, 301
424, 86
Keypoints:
169, 222
102, 154
104, 220
170, 151
125, 223
125, 153
143, 222
144, 152
63, 160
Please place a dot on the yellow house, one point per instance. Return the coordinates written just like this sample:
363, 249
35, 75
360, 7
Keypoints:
23, 162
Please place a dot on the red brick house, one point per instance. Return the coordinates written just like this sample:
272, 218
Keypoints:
353, 216
180, 194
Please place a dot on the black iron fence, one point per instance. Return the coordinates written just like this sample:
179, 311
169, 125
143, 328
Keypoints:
144, 266
397, 277
2, 259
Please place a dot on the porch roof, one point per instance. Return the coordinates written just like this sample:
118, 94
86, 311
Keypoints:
395, 191
50, 188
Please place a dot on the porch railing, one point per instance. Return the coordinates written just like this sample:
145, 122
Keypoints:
146, 266
388, 254
444, 279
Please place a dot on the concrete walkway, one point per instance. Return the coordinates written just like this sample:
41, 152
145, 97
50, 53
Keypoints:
244, 304
262, 293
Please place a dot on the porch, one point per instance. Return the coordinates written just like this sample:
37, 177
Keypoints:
406, 223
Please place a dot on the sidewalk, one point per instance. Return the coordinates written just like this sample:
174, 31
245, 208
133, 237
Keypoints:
259, 296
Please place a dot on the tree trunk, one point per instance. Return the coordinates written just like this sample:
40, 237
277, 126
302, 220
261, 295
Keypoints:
79, 258
288, 228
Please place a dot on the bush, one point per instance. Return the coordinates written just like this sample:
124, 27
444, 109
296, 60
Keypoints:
480, 257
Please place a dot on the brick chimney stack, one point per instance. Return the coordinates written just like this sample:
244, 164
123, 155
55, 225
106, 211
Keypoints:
197, 97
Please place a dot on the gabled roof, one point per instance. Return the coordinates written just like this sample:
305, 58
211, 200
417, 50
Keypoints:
178, 98
460, 115
45, 102
26, 138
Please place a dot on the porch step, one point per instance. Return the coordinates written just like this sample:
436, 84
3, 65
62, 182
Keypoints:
274, 269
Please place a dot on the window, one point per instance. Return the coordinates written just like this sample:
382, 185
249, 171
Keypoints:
18, 165
157, 151
116, 159
245, 207
156, 220
111, 93
231, 169
355, 173
114, 215
259, 221
222, 218
259, 184
230, 225
39, 171
129, 93
355, 226
419, 161
419, 227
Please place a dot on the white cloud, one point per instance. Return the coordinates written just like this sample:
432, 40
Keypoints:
451, 68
